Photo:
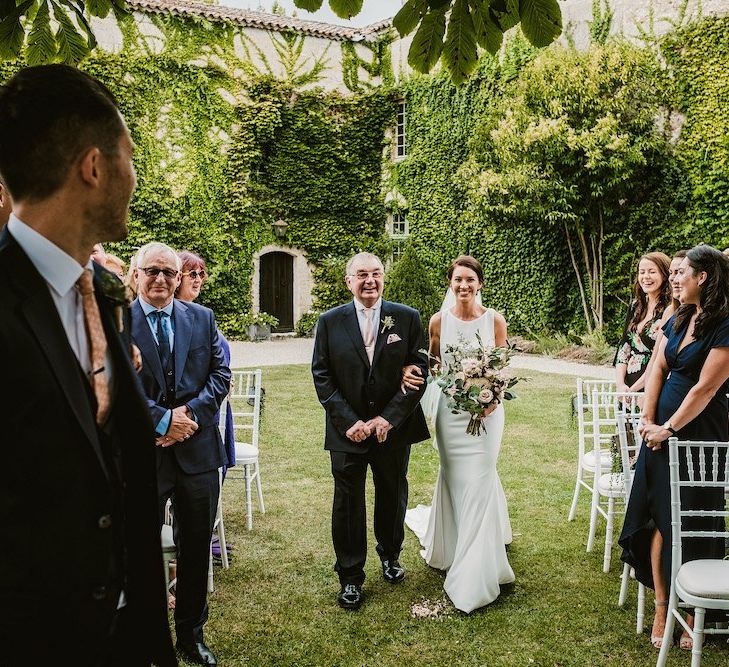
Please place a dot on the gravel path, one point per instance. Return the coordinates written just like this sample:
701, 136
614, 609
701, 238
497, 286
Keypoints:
284, 351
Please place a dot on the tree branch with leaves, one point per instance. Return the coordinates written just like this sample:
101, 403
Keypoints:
451, 31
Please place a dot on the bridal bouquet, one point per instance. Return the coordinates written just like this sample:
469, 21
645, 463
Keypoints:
475, 379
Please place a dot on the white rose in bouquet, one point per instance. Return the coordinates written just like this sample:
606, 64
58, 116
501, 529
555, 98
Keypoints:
486, 396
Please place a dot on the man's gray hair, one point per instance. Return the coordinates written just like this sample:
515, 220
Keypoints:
155, 248
365, 257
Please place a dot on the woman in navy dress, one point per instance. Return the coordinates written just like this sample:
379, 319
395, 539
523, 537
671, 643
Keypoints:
685, 397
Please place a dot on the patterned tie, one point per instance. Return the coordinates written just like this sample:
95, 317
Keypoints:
97, 346
369, 335
163, 339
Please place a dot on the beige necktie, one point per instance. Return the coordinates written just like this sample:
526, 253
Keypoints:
97, 345
369, 336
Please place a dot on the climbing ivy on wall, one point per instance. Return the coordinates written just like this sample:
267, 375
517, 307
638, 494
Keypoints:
219, 158
681, 199
525, 269
698, 59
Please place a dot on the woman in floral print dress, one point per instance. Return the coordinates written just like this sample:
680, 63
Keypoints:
652, 295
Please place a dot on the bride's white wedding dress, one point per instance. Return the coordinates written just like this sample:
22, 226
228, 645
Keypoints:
466, 529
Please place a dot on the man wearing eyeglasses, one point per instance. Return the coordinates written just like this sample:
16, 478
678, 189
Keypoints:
185, 380
359, 352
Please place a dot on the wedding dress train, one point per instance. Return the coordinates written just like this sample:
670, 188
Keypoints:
467, 527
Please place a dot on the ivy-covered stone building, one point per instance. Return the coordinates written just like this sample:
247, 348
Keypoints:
276, 146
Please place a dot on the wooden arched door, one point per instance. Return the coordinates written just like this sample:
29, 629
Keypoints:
277, 289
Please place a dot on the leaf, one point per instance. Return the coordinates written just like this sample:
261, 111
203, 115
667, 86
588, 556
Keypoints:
308, 5
427, 44
541, 21
438, 4
346, 8
100, 8
41, 48
505, 13
488, 34
407, 19
72, 48
81, 17
460, 54
12, 33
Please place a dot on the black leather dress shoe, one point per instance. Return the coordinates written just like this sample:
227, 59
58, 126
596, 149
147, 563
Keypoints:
392, 571
350, 596
198, 653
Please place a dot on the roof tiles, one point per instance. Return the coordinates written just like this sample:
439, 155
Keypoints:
262, 20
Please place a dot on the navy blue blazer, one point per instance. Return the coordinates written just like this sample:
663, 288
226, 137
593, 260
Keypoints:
202, 380
351, 389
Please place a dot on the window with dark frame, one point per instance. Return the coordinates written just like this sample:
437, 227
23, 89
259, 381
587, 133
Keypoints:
400, 149
399, 232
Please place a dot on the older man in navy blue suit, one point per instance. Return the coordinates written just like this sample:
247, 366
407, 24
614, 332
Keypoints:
185, 380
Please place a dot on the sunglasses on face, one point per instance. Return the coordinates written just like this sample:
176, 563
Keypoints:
196, 274
153, 272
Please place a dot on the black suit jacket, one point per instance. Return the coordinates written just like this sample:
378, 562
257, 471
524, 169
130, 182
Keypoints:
351, 389
202, 380
78, 506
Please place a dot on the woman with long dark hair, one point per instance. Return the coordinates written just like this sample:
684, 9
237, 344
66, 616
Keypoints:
467, 528
686, 397
652, 295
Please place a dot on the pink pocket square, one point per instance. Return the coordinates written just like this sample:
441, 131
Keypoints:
393, 338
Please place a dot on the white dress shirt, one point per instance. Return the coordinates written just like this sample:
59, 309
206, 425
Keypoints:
60, 271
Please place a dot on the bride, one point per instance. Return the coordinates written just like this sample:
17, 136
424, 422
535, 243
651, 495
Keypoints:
466, 529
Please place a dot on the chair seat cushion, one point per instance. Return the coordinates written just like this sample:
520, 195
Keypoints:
611, 484
245, 453
707, 578
589, 460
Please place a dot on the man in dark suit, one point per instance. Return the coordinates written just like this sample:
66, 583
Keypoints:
81, 579
185, 379
359, 352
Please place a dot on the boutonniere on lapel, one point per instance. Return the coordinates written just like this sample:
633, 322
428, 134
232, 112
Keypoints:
118, 295
387, 323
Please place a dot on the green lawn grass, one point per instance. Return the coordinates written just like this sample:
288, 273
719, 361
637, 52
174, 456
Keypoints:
277, 603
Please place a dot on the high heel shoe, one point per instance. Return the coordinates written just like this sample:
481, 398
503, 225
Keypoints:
657, 639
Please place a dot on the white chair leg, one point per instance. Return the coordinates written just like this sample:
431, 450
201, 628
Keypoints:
593, 516
698, 637
640, 615
211, 585
668, 632
222, 543
624, 583
609, 535
249, 504
576, 495
259, 488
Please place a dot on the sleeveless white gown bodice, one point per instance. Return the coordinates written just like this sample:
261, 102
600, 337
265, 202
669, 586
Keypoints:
467, 528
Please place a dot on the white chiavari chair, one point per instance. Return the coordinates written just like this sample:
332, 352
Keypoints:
245, 397
698, 584
586, 454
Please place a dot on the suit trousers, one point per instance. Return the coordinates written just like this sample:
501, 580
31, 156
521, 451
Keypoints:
194, 504
349, 520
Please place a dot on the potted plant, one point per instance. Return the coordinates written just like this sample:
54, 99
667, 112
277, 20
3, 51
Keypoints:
258, 325
306, 326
